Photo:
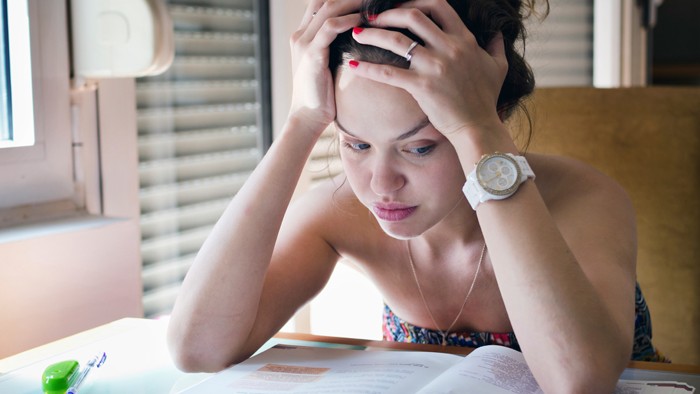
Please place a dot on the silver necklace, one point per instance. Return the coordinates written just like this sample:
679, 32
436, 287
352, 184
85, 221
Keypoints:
445, 333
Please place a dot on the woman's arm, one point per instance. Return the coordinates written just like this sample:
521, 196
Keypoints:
567, 277
218, 302
246, 281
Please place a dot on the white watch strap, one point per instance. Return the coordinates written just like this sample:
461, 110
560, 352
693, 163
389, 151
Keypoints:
525, 170
471, 190
476, 194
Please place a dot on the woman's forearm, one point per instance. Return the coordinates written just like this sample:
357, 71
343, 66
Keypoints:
218, 301
539, 275
567, 333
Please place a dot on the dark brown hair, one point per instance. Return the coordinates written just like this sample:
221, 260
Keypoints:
484, 18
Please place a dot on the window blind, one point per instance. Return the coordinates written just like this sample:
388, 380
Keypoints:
200, 130
560, 48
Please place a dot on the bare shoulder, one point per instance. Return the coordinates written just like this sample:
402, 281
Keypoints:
593, 212
310, 241
326, 199
332, 210
564, 180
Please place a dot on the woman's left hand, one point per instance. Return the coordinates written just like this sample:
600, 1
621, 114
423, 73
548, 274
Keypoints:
454, 80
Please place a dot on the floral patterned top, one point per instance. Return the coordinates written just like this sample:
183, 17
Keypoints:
397, 330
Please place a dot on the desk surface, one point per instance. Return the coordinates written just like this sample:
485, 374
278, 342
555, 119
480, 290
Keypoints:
138, 360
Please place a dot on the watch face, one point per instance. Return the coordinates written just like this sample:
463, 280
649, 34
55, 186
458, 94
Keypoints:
498, 174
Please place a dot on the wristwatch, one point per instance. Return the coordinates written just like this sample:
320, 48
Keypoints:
496, 176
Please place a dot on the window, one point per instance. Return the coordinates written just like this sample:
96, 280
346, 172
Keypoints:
201, 129
36, 162
17, 125
5, 93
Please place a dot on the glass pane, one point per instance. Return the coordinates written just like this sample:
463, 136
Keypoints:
5, 112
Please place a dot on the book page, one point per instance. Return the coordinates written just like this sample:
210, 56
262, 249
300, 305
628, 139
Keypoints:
488, 369
316, 370
652, 387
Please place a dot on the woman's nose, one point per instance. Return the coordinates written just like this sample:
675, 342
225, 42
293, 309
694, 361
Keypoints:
386, 177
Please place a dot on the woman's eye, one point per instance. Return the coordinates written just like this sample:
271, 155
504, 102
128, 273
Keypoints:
357, 146
421, 150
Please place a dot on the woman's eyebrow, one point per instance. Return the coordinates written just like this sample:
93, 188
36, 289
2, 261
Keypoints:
414, 130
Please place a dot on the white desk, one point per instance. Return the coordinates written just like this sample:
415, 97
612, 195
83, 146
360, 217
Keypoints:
138, 360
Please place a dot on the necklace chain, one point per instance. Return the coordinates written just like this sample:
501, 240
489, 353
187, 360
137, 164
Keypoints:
445, 333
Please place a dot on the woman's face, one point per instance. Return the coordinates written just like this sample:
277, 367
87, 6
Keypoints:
399, 166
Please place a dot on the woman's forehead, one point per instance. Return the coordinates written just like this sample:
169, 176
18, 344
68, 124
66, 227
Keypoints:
363, 104
422, 127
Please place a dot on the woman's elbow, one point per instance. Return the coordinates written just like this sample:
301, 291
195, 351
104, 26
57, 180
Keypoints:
190, 355
189, 358
594, 372
579, 383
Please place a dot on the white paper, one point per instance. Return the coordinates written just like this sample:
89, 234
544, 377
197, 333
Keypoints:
652, 387
319, 370
488, 369
493, 370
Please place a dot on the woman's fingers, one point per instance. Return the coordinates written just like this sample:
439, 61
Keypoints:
413, 20
439, 11
417, 20
332, 27
389, 40
384, 73
311, 10
329, 9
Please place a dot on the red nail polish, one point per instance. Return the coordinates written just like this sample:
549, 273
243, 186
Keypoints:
371, 17
357, 30
353, 63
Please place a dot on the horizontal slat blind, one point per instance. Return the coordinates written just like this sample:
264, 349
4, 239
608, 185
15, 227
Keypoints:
198, 138
560, 49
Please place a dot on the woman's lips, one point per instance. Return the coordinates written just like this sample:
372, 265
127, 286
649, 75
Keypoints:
392, 212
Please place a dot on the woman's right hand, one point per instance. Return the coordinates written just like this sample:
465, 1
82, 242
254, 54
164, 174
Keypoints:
313, 98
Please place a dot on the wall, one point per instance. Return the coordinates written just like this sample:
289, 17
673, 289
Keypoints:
76, 278
61, 277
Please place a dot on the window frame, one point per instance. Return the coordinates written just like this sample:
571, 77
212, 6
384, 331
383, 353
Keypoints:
42, 173
5, 98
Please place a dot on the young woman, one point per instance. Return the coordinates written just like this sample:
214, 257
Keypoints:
463, 254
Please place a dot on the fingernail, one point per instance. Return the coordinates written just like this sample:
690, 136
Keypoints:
371, 17
353, 63
357, 30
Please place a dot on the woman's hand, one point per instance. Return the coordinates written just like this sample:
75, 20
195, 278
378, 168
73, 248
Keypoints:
455, 82
313, 100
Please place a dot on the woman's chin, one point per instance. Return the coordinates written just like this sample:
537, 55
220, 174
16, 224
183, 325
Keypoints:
401, 233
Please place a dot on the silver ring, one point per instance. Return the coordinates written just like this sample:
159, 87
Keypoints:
408, 54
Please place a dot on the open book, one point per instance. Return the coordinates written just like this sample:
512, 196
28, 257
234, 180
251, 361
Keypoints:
488, 369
